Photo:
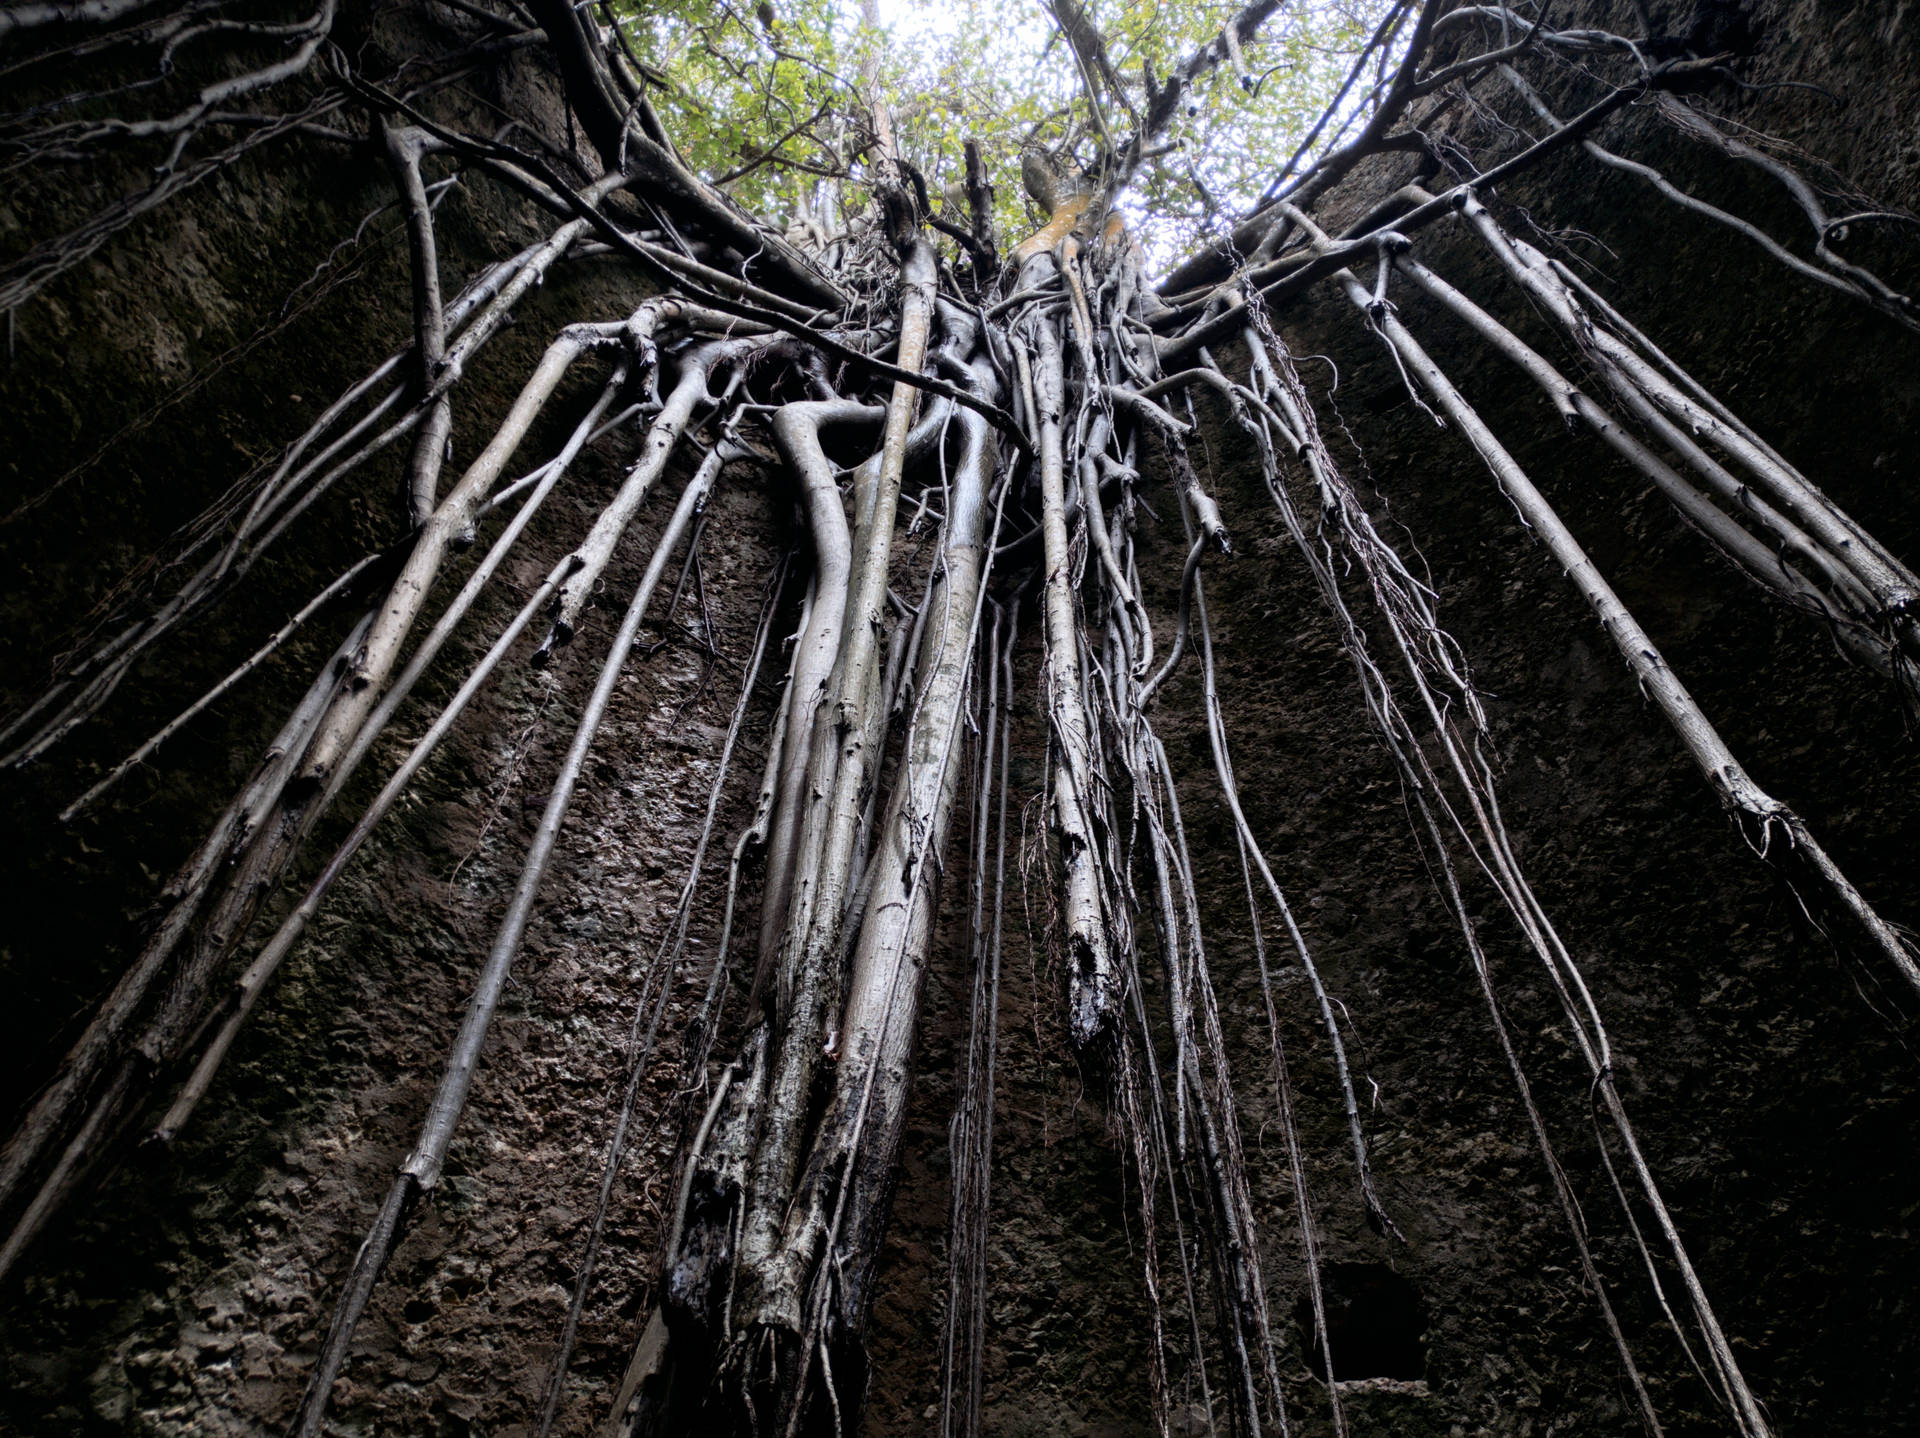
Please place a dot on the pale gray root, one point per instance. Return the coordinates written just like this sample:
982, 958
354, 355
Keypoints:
689, 393
1843, 603
450, 522
405, 147
1846, 545
478, 315
277, 833
1737, 791
843, 762
420, 1173
435, 639
252, 983
1092, 977
830, 1245
1760, 815
285, 495
105, 1038
796, 428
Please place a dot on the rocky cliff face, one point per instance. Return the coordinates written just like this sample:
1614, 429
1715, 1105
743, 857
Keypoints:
1774, 1083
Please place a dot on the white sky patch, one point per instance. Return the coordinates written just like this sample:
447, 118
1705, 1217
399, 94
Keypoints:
917, 18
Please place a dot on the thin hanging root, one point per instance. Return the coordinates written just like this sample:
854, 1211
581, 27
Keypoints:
199, 706
1203, 1103
1873, 293
1296, 1161
1205, 1159
1376, 1210
1498, 861
1143, 1122
252, 983
1283, 1087
1205, 516
1092, 977
1846, 608
703, 1186
1740, 795
649, 1007
279, 500
1770, 827
755, 834
1189, 578
1137, 1078
1428, 654
1562, 1188
103, 1041
759, 829
1363, 1168
184, 894
970, 1137
1826, 228
1235, 1247
421, 1171
263, 838
1188, 1142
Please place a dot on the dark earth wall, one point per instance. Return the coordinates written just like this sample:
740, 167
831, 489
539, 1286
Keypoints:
1778, 1106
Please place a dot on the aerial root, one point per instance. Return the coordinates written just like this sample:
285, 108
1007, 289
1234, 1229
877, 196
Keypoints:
420, 1173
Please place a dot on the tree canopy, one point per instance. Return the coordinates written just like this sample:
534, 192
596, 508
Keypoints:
768, 100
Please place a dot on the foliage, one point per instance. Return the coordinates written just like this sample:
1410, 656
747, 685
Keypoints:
767, 99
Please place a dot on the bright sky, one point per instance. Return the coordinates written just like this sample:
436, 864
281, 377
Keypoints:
916, 17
